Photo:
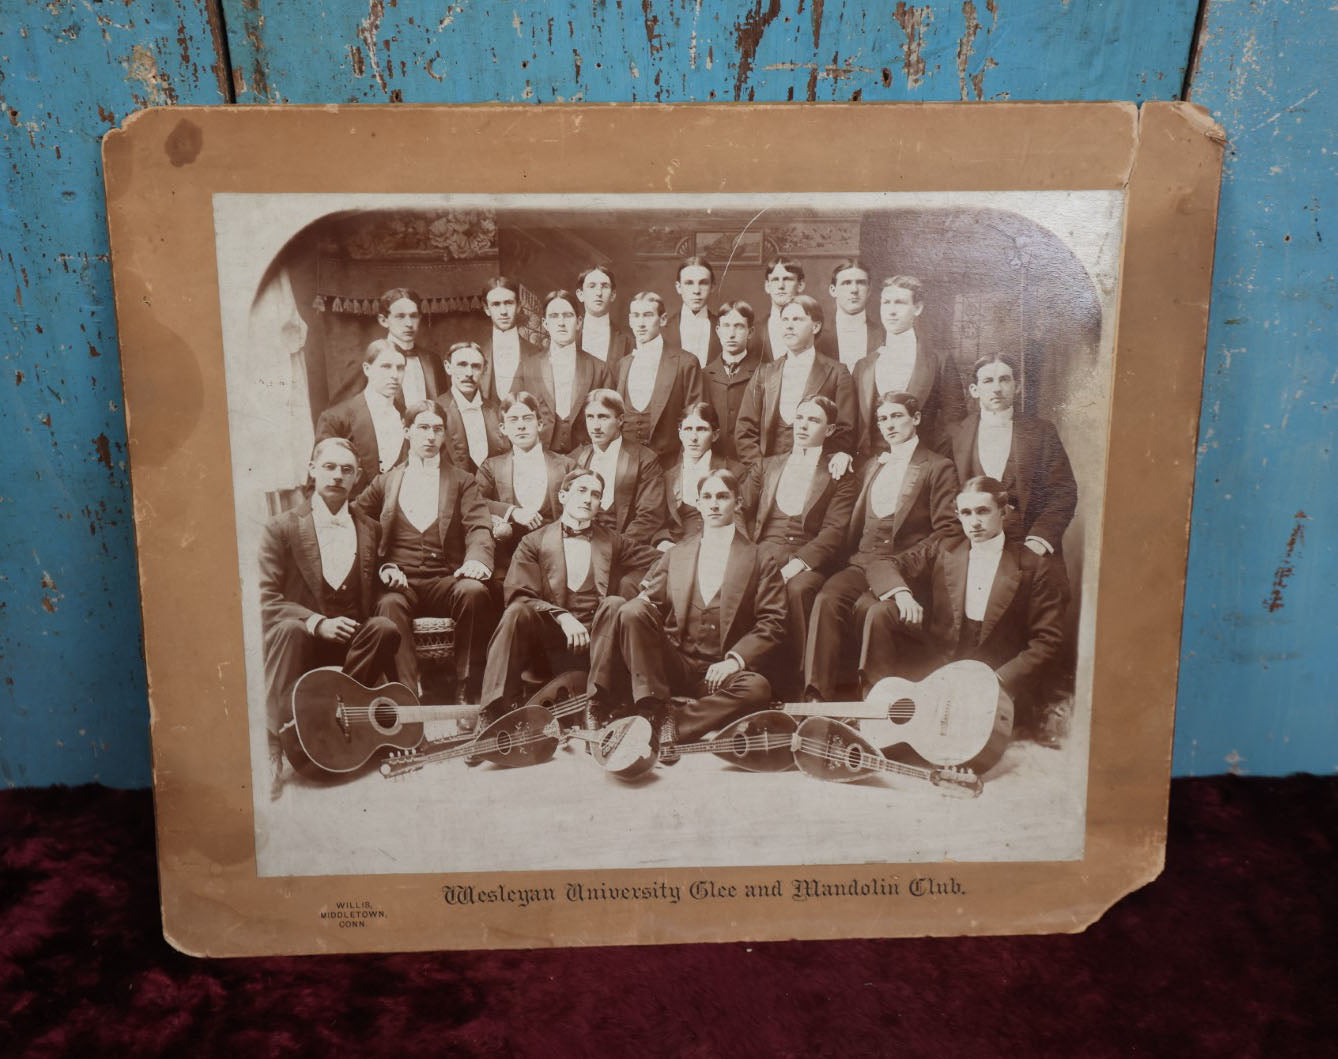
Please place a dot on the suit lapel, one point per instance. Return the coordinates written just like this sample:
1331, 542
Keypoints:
665, 374
910, 486
923, 373
309, 556
504, 477
770, 483
622, 490
557, 470
366, 563
737, 570
1006, 580
445, 502
455, 432
492, 427
580, 386
857, 515
864, 388
390, 501
770, 400
601, 558
954, 581
557, 564
682, 573
817, 377
817, 488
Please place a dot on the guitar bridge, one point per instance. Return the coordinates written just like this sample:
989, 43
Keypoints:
341, 719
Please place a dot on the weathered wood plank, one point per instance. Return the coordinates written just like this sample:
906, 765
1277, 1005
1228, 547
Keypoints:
769, 50
1259, 665
72, 706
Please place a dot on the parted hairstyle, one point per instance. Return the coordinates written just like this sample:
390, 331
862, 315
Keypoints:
790, 264
501, 283
585, 273
376, 347
703, 410
418, 408
907, 401
560, 295
648, 296
725, 477
610, 399
576, 474
849, 263
699, 261
827, 405
395, 294
811, 306
1007, 359
738, 305
983, 483
457, 346
519, 397
910, 283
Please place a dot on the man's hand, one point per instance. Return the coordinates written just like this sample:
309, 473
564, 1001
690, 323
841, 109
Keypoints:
393, 577
721, 671
838, 465
523, 516
664, 546
501, 529
473, 569
337, 630
792, 568
911, 612
578, 636
1035, 544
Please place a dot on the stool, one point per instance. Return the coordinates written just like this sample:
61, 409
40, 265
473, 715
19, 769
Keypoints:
434, 646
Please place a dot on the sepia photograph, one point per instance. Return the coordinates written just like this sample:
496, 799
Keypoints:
635, 531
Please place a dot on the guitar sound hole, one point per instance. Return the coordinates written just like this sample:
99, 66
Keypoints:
901, 711
739, 745
385, 714
504, 743
854, 758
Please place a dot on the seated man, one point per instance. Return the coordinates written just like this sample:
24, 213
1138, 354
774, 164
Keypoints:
473, 423
905, 496
371, 419
711, 610
633, 498
989, 599
520, 486
799, 515
559, 609
435, 548
317, 588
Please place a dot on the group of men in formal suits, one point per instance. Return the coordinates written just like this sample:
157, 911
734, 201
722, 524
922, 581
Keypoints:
715, 505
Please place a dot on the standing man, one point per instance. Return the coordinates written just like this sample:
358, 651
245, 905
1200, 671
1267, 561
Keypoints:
520, 486
502, 345
1022, 452
656, 382
784, 279
400, 312
766, 418
905, 496
852, 335
693, 324
903, 364
725, 379
371, 420
799, 516
317, 586
632, 499
561, 595
473, 424
435, 548
698, 432
562, 375
596, 290
989, 599
711, 610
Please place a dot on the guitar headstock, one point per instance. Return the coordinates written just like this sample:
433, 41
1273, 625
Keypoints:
956, 780
400, 763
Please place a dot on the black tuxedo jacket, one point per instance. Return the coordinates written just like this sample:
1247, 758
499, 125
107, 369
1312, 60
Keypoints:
825, 517
827, 341
536, 376
292, 583
494, 479
457, 441
674, 528
352, 419
674, 331
538, 572
1045, 493
760, 410
753, 611
437, 381
638, 495
488, 385
934, 382
1023, 625
725, 393
463, 519
678, 383
621, 343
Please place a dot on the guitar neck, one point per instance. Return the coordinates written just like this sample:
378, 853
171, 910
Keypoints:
864, 711
760, 741
438, 713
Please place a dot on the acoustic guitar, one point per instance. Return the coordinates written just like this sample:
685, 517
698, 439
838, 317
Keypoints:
339, 724
958, 715
830, 750
527, 736
759, 742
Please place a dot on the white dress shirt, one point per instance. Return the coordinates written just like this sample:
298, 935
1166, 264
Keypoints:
505, 359
777, 333
712, 559
420, 491
796, 478
694, 333
886, 488
576, 552
476, 431
562, 361
389, 427
338, 541
852, 337
896, 361
641, 375
691, 477
606, 463
595, 335
981, 566
795, 369
414, 387
529, 478
994, 441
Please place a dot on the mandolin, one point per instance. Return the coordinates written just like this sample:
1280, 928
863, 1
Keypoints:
527, 736
958, 715
624, 748
339, 724
830, 750
759, 742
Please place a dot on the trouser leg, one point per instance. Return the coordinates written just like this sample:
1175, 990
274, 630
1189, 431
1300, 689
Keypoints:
470, 605
831, 628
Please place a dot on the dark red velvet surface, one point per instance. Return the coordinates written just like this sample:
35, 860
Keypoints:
1232, 952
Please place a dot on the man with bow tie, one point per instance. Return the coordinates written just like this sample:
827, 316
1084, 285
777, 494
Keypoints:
435, 548
906, 495
473, 423
988, 599
400, 312
725, 377
799, 514
710, 611
561, 596
371, 420
317, 589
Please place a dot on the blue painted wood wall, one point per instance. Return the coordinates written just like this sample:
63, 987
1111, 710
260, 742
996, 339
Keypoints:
1257, 665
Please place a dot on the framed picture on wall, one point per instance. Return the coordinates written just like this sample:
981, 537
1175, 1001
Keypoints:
576, 561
